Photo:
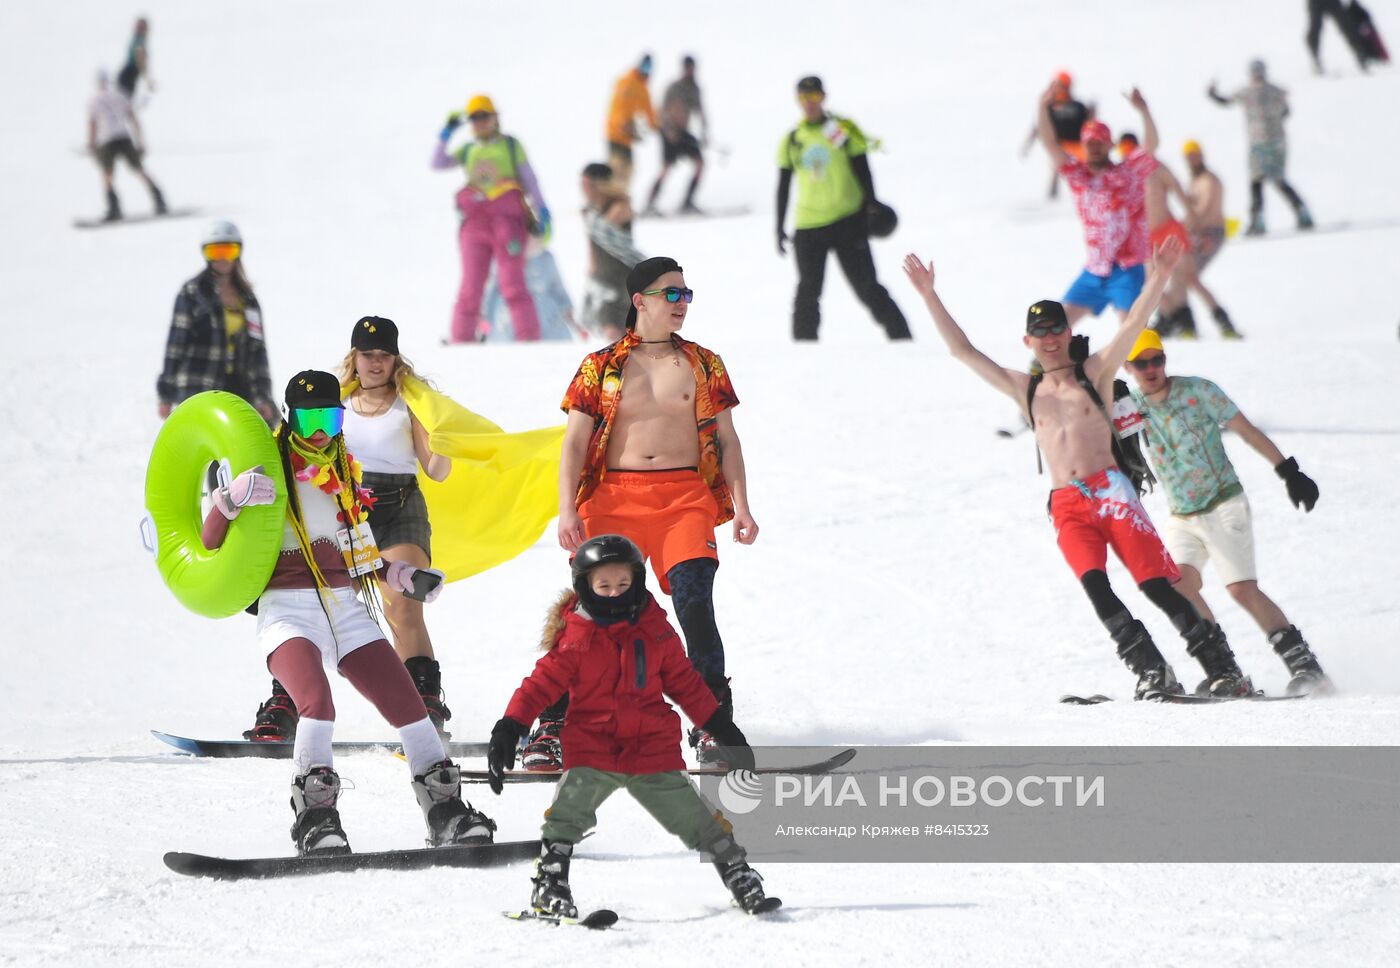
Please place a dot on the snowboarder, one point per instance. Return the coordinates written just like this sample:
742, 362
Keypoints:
114, 132
500, 206
650, 451
1210, 519
607, 217
1355, 24
1068, 115
136, 67
1093, 504
1110, 199
610, 646
682, 98
630, 98
1265, 108
216, 339
310, 614
835, 195
1207, 227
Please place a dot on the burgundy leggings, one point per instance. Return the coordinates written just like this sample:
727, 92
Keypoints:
374, 670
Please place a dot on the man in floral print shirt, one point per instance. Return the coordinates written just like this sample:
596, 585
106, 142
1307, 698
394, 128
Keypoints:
1210, 514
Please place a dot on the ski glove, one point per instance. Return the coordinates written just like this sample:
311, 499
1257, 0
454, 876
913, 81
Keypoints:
500, 755
454, 121
399, 576
782, 241
737, 752
1301, 489
252, 487
540, 230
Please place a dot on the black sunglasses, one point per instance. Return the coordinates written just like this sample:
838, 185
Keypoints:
672, 293
478, 115
1148, 362
1041, 330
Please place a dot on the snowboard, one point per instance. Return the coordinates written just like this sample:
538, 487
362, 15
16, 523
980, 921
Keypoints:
597, 920
225, 748
1175, 700
731, 211
233, 869
98, 223
552, 776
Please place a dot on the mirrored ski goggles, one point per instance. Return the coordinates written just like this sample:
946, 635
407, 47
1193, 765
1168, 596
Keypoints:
1042, 330
222, 251
305, 423
1148, 362
673, 294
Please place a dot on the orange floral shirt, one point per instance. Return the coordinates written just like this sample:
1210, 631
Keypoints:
596, 390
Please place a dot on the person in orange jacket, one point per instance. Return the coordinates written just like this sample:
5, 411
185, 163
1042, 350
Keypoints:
631, 97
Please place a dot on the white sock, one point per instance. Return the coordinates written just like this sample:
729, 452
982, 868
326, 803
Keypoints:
422, 746
313, 744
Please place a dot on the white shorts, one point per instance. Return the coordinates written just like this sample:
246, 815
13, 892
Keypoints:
291, 613
1224, 534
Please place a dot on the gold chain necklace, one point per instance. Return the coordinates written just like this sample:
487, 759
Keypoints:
357, 403
674, 353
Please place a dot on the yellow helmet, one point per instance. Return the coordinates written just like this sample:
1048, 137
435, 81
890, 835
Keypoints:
480, 102
1149, 340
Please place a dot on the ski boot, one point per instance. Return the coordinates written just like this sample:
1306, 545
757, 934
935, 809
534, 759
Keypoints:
317, 829
158, 200
551, 896
451, 820
745, 884
1227, 328
1206, 644
427, 679
708, 751
114, 208
1305, 219
543, 751
1308, 677
690, 208
1139, 653
277, 719
1256, 225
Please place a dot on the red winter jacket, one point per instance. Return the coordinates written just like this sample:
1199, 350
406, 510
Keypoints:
617, 677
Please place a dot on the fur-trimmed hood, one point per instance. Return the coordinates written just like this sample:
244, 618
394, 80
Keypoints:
556, 617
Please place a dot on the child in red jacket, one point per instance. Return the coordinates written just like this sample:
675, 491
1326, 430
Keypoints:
611, 648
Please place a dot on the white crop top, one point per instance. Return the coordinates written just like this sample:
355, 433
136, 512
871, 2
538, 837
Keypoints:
382, 444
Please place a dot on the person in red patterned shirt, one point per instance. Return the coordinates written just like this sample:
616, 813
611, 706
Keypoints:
1110, 198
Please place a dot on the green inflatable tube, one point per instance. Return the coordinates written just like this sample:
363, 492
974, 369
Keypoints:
205, 430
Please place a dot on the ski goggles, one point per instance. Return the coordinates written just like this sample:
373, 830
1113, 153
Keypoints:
306, 423
1042, 330
673, 294
1148, 362
222, 251
478, 115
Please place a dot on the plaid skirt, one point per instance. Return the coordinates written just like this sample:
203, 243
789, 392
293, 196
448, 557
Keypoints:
399, 515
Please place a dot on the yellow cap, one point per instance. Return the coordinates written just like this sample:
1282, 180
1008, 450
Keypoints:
480, 102
1149, 340
1191, 148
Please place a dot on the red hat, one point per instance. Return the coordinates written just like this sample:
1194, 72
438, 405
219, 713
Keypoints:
1064, 78
1095, 131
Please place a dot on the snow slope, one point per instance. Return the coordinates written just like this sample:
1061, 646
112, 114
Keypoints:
906, 587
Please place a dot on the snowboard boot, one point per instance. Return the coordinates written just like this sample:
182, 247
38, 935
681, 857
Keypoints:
544, 751
1227, 328
551, 895
1305, 219
1158, 324
158, 200
451, 820
1185, 327
1308, 677
743, 882
114, 207
316, 829
708, 751
1205, 642
1139, 653
427, 679
277, 719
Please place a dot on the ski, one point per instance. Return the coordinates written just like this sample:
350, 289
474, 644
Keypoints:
234, 869
1175, 699
597, 920
552, 776
225, 748
102, 223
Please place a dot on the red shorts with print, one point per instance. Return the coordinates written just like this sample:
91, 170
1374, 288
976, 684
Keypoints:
1104, 512
670, 515
1171, 229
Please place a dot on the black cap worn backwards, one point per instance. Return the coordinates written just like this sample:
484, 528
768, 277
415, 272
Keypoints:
1045, 311
811, 84
641, 277
313, 390
597, 171
375, 333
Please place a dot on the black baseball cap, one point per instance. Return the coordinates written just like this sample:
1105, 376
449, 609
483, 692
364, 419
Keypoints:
811, 84
313, 390
1045, 311
597, 171
641, 277
375, 333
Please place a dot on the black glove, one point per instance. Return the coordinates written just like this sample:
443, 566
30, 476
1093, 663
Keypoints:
738, 753
1301, 489
1079, 348
782, 241
500, 755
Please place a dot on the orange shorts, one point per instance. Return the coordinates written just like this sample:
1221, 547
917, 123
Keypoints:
1171, 229
670, 515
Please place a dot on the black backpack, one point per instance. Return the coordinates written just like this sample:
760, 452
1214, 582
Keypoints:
1127, 451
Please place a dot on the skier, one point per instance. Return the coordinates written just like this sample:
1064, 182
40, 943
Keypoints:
630, 98
309, 614
1210, 517
835, 194
1347, 21
682, 98
1207, 227
609, 644
137, 64
1068, 115
1265, 107
1111, 206
114, 132
650, 451
1093, 504
500, 206
607, 216
216, 332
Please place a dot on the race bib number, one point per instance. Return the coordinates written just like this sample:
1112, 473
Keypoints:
359, 549
835, 135
1126, 418
252, 319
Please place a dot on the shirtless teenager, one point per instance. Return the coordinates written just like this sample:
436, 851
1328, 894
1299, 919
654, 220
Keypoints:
1093, 504
1207, 236
661, 462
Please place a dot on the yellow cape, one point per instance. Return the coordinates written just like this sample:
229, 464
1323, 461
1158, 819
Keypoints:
503, 489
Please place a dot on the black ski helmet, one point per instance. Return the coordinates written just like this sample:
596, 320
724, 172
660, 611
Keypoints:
608, 549
880, 220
